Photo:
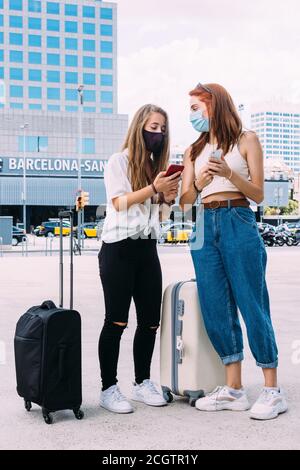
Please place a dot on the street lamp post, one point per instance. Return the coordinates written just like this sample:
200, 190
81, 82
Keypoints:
24, 195
80, 151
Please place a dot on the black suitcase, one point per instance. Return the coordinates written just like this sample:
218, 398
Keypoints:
48, 351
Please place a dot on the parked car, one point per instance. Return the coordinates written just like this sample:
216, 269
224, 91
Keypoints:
17, 235
89, 230
100, 224
176, 233
52, 228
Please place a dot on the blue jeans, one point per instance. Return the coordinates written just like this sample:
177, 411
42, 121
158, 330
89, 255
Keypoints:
230, 273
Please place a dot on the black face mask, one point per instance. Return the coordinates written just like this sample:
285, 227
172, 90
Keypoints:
154, 141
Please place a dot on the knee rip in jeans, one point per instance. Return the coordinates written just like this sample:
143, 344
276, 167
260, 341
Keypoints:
122, 325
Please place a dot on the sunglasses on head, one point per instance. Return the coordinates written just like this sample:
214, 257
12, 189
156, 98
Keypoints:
205, 88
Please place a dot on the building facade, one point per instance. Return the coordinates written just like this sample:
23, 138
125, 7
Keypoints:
58, 103
278, 127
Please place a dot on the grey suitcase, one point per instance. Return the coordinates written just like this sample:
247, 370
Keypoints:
189, 365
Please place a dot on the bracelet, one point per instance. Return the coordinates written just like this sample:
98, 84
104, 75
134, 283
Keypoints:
196, 189
154, 188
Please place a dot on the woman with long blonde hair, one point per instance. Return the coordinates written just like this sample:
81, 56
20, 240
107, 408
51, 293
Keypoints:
137, 193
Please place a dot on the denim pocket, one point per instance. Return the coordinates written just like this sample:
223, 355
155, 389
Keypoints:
244, 214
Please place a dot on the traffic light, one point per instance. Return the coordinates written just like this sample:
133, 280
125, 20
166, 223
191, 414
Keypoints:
82, 200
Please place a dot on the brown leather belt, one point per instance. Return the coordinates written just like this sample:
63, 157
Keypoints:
229, 203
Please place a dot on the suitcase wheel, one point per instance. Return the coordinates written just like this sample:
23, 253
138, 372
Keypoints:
168, 396
79, 414
27, 404
47, 417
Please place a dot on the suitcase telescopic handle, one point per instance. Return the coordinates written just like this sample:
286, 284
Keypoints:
62, 215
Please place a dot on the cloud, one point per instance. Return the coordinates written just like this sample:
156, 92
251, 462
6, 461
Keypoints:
164, 75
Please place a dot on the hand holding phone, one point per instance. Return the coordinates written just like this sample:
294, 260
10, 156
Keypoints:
217, 154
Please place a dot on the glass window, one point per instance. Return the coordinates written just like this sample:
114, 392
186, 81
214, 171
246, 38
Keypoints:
53, 25
53, 59
71, 95
35, 106
53, 107
106, 30
71, 44
35, 92
35, 75
89, 45
53, 76
71, 26
35, 58
89, 28
71, 60
16, 105
53, 42
106, 63
34, 40
16, 91
33, 143
106, 96
106, 110
16, 39
88, 12
16, 74
106, 46
88, 145
89, 95
72, 109
89, 62
106, 13
1, 72
1, 37
34, 5
106, 80
2, 20
89, 109
16, 56
1, 3
34, 23
89, 79
71, 77
53, 93
15, 21
71, 10
16, 5
53, 8
1, 55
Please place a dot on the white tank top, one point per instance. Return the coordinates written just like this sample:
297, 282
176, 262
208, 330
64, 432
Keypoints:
219, 184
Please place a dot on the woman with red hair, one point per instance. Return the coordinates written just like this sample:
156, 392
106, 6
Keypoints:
225, 167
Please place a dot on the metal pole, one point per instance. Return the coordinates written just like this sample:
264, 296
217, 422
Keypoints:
24, 127
80, 151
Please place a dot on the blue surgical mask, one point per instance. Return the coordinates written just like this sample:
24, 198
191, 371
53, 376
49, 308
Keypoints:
199, 122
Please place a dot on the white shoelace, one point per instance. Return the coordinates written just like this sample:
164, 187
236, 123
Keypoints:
267, 395
150, 387
117, 394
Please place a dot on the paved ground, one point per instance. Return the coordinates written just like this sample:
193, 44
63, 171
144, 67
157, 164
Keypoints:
28, 281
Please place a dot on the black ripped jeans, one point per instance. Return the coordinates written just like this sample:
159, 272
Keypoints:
129, 269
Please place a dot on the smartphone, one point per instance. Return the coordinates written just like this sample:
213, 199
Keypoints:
217, 154
174, 169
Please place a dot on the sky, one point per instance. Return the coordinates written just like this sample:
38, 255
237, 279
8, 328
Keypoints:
166, 47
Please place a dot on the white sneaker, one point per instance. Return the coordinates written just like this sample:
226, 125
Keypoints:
113, 400
224, 398
147, 393
270, 403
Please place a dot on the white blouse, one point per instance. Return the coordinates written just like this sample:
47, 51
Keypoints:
126, 223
